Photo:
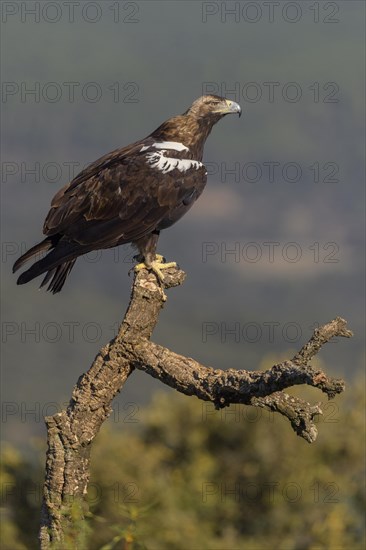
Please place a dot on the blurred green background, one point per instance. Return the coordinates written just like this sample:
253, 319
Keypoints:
105, 74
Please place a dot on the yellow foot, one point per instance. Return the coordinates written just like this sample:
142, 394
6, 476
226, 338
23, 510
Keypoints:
156, 266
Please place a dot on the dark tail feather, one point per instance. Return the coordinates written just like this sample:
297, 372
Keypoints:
45, 245
58, 263
58, 276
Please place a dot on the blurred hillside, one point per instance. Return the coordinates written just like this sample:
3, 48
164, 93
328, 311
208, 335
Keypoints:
180, 475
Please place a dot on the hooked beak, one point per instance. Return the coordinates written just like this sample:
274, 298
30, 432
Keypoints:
229, 107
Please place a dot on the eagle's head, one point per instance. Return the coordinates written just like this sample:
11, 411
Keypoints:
194, 125
213, 107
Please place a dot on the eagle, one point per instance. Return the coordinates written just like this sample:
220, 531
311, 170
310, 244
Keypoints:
128, 196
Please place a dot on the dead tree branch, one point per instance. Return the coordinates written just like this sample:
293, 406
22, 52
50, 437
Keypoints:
72, 431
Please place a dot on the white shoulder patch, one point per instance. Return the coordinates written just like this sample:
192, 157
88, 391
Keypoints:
166, 164
170, 145
144, 147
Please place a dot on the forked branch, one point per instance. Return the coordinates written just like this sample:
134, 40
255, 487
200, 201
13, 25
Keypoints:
71, 432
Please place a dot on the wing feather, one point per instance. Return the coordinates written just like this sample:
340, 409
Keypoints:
120, 198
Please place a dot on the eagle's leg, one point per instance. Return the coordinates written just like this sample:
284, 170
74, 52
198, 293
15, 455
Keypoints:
152, 261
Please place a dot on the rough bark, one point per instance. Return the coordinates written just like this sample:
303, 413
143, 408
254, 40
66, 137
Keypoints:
72, 431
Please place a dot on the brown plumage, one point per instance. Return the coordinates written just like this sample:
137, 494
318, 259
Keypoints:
128, 195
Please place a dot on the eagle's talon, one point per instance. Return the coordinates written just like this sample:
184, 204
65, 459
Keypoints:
156, 266
137, 258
